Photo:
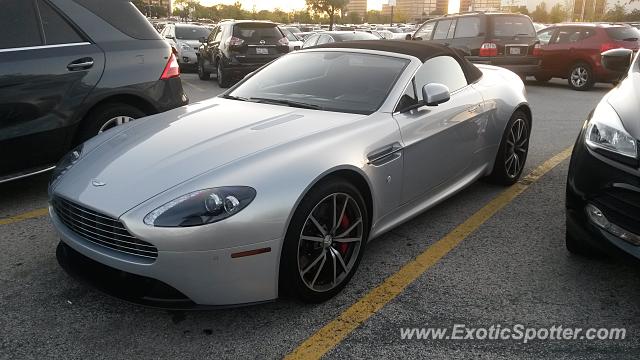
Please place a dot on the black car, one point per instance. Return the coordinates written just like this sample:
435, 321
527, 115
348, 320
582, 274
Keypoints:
506, 40
237, 48
603, 187
328, 37
70, 69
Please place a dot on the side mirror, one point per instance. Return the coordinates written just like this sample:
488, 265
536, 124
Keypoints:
202, 40
408, 37
435, 94
617, 60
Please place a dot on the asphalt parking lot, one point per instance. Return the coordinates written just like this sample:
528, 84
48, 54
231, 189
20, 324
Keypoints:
513, 269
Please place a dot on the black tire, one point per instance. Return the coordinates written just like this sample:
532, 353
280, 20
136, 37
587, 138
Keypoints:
542, 78
581, 248
223, 76
504, 172
99, 116
202, 74
581, 77
291, 278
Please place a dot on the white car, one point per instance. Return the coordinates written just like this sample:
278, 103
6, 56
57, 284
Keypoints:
185, 40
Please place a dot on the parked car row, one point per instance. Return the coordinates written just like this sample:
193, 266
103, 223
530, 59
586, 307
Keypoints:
71, 69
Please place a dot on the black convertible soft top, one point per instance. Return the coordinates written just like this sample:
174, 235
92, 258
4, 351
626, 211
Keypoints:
420, 49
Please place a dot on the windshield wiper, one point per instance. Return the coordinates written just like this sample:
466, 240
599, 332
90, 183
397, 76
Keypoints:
290, 103
231, 97
631, 39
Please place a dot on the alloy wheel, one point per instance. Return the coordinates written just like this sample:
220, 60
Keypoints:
115, 121
579, 76
330, 241
517, 148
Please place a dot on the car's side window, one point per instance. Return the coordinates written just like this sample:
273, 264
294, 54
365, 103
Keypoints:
467, 27
409, 97
567, 36
324, 39
213, 34
545, 36
56, 29
20, 27
311, 41
443, 70
424, 33
587, 33
442, 30
452, 29
218, 36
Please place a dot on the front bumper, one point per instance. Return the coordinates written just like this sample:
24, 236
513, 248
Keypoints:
187, 58
521, 65
612, 187
204, 278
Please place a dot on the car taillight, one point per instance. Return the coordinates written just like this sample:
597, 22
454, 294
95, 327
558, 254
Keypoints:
234, 41
172, 69
489, 49
608, 46
284, 41
537, 51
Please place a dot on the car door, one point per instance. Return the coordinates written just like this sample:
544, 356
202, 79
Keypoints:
440, 142
425, 32
468, 35
47, 69
441, 31
208, 49
559, 54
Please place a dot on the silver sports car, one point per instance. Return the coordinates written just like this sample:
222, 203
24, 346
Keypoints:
277, 185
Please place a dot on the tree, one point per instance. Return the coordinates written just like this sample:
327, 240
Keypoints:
557, 14
616, 13
540, 13
329, 7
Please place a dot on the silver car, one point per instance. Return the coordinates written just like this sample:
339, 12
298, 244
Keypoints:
185, 39
277, 185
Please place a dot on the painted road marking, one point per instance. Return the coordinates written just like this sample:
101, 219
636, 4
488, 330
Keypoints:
338, 329
25, 216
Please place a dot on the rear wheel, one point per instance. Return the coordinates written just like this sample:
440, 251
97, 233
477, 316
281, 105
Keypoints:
325, 242
107, 116
513, 150
202, 74
581, 77
223, 76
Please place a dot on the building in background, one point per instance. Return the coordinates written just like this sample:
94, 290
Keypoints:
357, 6
589, 10
480, 5
415, 11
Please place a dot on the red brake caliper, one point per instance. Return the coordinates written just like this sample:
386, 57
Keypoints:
344, 225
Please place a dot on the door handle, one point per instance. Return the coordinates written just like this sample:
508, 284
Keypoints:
80, 64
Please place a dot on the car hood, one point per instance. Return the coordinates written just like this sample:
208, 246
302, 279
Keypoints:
162, 151
623, 99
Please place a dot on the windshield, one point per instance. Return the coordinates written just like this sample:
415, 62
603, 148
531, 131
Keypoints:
331, 81
509, 26
191, 32
627, 33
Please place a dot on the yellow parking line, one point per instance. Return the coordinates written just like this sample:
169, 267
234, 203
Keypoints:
25, 216
338, 329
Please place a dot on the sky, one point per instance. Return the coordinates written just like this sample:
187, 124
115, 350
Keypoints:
288, 5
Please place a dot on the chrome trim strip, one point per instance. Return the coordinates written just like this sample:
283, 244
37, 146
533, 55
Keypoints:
24, 175
43, 47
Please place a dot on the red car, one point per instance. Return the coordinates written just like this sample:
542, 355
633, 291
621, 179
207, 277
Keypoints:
572, 52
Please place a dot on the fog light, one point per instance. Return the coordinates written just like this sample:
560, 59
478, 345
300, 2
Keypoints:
597, 218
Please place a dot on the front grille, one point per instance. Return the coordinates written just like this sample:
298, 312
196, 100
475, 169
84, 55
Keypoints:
101, 229
621, 207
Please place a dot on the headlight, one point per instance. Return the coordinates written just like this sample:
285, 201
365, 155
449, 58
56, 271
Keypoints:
66, 163
201, 207
185, 46
606, 134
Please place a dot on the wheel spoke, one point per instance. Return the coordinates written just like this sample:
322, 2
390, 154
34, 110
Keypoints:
311, 238
318, 226
306, 270
339, 257
324, 259
346, 232
333, 257
347, 240
335, 209
344, 208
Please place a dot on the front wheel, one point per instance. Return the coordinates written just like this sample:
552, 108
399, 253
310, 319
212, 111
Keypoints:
202, 74
223, 77
105, 117
325, 242
581, 77
513, 150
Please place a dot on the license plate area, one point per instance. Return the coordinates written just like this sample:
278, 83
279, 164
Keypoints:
516, 50
262, 51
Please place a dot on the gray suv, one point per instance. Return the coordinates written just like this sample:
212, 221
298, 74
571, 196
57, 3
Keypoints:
70, 69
